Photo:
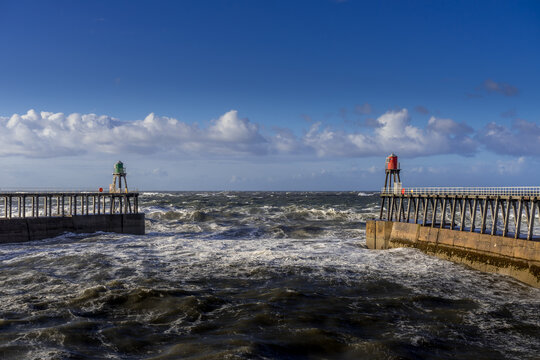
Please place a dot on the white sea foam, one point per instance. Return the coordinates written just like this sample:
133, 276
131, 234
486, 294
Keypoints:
366, 194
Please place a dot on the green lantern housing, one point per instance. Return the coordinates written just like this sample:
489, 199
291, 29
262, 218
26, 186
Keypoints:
119, 174
119, 168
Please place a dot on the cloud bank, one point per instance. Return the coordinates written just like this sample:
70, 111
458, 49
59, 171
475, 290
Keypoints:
46, 134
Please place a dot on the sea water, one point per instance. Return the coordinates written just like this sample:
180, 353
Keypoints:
254, 275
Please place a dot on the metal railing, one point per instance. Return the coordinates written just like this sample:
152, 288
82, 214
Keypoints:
485, 191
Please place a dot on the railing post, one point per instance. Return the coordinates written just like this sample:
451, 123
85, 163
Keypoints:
400, 208
506, 214
409, 200
425, 204
443, 213
517, 218
531, 221
126, 204
538, 205
462, 212
383, 200
484, 215
453, 217
416, 203
526, 203
473, 213
495, 216
24, 206
129, 204
434, 213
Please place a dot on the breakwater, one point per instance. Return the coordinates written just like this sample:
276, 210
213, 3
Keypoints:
35, 216
518, 258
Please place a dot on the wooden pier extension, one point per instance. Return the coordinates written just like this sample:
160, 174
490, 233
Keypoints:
34, 216
506, 211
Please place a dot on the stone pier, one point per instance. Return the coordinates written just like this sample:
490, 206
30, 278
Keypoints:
519, 258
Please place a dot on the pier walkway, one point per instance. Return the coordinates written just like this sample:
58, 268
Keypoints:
506, 211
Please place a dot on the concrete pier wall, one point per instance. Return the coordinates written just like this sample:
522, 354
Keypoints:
29, 229
515, 257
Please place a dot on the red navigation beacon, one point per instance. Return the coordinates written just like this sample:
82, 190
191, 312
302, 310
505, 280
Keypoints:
392, 162
392, 173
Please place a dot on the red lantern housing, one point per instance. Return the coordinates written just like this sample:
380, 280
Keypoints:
392, 162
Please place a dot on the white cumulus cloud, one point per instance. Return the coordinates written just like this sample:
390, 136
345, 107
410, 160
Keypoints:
394, 133
46, 134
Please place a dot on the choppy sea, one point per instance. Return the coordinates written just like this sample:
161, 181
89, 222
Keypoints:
255, 275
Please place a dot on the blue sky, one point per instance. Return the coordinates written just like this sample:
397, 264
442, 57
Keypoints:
269, 95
